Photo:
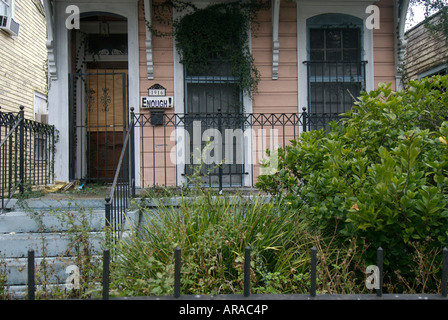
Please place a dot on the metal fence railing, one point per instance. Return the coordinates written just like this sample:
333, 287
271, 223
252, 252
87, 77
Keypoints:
377, 290
26, 154
229, 147
123, 186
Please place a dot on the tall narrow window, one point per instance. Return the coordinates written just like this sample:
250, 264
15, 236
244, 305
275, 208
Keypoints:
336, 72
213, 46
213, 101
41, 116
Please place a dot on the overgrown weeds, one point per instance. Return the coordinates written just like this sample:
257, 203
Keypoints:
212, 232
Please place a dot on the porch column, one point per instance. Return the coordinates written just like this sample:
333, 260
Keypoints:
58, 89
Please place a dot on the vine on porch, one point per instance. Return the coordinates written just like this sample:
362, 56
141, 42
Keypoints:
216, 33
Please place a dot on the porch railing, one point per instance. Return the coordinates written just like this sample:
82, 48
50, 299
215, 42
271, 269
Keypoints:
169, 145
26, 154
123, 186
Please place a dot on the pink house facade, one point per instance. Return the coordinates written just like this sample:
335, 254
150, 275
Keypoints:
110, 74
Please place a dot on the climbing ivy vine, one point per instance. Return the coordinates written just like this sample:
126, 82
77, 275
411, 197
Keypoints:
215, 35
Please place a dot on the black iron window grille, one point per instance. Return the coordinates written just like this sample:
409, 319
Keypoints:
333, 87
213, 99
336, 73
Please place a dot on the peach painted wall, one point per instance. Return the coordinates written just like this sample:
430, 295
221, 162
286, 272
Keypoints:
155, 144
276, 96
383, 44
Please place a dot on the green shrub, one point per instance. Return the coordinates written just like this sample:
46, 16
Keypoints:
379, 176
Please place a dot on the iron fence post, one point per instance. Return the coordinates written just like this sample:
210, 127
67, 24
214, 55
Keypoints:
107, 219
132, 152
247, 271
313, 271
444, 272
31, 275
22, 149
106, 271
304, 122
177, 261
380, 256
10, 160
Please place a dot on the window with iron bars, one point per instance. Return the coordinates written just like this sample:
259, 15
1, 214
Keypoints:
336, 72
41, 116
213, 100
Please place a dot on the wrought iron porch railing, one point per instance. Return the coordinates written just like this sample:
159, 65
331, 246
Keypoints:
26, 154
170, 145
123, 186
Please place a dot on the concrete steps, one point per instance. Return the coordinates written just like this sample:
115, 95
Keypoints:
48, 226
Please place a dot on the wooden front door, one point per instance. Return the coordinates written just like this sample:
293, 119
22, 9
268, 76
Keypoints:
106, 121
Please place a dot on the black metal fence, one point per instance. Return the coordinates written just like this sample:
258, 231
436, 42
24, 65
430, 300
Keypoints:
162, 135
123, 187
246, 294
26, 154
171, 144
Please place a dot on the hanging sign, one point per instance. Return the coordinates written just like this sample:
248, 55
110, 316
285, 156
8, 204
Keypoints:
157, 98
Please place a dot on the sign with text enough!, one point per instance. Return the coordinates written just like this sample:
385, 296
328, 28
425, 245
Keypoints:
157, 99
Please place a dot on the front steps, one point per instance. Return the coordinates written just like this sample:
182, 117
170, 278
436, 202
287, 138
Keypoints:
50, 227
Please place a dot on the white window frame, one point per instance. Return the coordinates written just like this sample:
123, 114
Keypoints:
433, 71
9, 4
40, 141
310, 8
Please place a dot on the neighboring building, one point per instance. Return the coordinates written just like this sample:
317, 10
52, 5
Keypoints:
426, 54
312, 55
23, 58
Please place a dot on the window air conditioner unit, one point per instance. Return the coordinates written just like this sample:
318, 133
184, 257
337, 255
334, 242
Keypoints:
9, 25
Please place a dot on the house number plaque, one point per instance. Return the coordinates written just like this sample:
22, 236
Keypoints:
157, 98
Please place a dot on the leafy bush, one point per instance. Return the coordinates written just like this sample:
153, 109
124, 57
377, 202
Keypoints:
379, 176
